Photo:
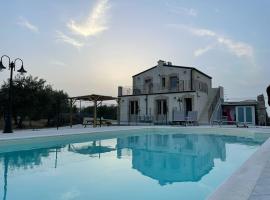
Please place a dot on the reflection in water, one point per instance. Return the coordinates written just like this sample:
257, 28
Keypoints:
26, 159
5, 176
90, 149
167, 158
176, 157
21, 159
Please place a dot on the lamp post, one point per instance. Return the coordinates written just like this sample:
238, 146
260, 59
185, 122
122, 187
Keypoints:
268, 94
8, 112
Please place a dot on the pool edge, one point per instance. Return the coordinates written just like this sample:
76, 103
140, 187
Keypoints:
240, 185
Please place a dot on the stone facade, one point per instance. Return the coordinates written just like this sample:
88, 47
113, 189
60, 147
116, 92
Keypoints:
159, 91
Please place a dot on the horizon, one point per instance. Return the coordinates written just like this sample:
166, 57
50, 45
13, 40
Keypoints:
99, 45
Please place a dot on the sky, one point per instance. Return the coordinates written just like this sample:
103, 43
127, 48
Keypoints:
94, 46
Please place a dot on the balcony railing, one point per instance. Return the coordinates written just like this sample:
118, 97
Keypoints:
152, 89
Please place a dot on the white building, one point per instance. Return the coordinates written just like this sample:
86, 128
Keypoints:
159, 91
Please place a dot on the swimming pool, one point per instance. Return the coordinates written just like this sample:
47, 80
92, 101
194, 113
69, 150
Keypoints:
136, 164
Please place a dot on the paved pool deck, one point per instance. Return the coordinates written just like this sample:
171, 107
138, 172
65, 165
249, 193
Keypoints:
250, 182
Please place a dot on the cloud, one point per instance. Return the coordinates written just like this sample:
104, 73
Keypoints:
26, 24
239, 49
95, 23
69, 40
181, 10
58, 63
185, 11
201, 51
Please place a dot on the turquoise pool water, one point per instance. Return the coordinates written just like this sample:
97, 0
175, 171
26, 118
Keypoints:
157, 164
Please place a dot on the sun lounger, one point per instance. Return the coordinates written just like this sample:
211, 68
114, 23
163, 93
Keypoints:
225, 122
241, 125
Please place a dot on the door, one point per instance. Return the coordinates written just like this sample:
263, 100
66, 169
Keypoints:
245, 114
148, 86
162, 108
173, 83
133, 111
188, 105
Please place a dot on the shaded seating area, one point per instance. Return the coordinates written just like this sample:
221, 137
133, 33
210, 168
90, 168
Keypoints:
97, 101
100, 121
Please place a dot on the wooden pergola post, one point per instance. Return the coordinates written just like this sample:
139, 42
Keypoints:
95, 113
70, 113
71, 102
118, 112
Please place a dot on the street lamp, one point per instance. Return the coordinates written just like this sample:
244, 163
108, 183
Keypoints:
268, 94
11, 67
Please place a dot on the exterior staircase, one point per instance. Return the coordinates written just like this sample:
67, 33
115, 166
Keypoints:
213, 105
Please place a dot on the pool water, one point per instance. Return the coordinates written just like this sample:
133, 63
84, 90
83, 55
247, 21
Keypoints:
157, 164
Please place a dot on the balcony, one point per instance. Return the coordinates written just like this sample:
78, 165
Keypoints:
153, 89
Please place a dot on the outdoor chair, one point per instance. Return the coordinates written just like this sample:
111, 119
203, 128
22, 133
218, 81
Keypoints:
179, 117
87, 121
192, 117
145, 119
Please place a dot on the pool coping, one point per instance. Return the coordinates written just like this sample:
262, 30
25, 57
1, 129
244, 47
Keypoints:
239, 186
77, 130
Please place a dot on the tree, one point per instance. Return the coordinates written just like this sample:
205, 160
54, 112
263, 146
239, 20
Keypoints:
33, 99
107, 112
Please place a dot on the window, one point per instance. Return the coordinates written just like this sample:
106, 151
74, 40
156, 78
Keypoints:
173, 82
245, 114
148, 86
146, 81
163, 82
249, 114
241, 114
181, 85
161, 107
134, 107
201, 86
158, 107
164, 108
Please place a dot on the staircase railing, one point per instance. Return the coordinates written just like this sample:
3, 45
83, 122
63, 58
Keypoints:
213, 104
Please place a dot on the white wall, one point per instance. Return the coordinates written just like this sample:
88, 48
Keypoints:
199, 100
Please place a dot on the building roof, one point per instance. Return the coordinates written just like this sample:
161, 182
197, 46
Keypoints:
240, 103
174, 66
93, 97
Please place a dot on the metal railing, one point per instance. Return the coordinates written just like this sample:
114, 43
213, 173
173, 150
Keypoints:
153, 88
140, 119
214, 104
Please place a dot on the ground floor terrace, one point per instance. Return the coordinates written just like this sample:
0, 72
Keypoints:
250, 181
160, 108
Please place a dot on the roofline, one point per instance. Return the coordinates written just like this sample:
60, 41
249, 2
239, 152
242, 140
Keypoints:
239, 103
145, 71
175, 66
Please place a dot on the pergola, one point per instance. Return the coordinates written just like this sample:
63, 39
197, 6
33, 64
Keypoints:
97, 100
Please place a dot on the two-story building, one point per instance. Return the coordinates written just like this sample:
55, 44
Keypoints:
159, 91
